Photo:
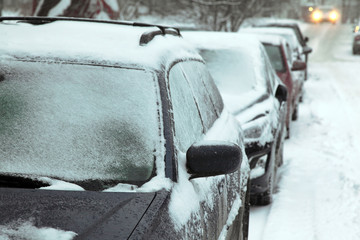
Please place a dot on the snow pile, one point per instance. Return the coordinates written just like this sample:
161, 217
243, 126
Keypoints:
27, 231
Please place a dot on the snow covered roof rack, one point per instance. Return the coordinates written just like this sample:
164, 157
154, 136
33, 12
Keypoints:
144, 39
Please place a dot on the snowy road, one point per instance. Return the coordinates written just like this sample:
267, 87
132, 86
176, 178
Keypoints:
319, 193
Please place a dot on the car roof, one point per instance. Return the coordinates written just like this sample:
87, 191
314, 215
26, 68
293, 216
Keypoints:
91, 42
222, 40
275, 40
271, 30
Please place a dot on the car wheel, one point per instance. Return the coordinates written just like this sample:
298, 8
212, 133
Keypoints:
294, 116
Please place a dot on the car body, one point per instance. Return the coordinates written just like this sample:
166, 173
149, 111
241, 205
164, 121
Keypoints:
279, 52
124, 121
324, 13
305, 49
356, 39
254, 94
295, 46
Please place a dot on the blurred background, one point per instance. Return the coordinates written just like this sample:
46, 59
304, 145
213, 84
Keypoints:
218, 15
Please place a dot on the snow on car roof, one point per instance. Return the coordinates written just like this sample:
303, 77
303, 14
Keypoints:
287, 33
270, 39
89, 42
219, 40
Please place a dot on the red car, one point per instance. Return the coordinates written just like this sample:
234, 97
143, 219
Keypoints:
280, 55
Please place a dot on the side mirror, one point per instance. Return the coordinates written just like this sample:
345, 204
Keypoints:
306, 39
307, 50
281, 93
298, 65
211, 158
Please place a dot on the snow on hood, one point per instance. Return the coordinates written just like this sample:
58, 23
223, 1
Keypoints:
27, 231
59, 185
155, 184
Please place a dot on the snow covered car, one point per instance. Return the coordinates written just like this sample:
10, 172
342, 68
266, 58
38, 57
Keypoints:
115, 130
255, 95
293, 25
279, 52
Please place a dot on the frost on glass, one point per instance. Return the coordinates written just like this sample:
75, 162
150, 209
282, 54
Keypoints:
188, 126
232, 71
78, 122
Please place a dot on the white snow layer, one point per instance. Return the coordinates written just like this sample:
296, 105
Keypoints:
27, 231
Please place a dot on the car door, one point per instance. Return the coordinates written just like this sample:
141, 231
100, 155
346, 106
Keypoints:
211, 194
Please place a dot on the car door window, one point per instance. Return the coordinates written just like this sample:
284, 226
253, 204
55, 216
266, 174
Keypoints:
187, 122
203, 88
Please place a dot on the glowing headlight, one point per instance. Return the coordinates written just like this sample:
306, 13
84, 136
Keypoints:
317, 15
311, 9
333, 16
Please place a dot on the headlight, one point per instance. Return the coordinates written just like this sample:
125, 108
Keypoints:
317, 15
333, 16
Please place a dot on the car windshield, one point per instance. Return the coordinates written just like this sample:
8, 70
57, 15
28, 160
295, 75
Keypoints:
78, 122
232, 71
274, 53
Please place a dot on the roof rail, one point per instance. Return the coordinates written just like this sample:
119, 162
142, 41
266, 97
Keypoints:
144, 39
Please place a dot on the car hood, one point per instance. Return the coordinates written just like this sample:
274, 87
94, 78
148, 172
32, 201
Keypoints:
91, 215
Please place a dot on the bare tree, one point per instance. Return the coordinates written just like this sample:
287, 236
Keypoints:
1, 6
227, 15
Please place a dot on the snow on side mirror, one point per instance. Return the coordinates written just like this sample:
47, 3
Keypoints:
211, 158
298, 65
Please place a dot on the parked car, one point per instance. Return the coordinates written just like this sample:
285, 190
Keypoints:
324, 13
127, 115
255, 95
289, 24
356, 39
279, 52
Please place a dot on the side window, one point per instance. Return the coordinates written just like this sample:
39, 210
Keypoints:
268, 71
205, 91
186, 118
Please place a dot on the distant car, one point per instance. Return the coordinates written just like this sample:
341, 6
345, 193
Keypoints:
356, 43
356, 39
255, 95
325, 13
115, 130
279, 52
305, 49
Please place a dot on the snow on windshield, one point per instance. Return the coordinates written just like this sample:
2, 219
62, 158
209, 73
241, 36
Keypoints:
78, 122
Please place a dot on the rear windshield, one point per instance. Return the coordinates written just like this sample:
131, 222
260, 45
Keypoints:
276, 59
232, 71
78, 122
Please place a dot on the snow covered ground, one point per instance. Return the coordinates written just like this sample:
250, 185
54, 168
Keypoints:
318, 194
